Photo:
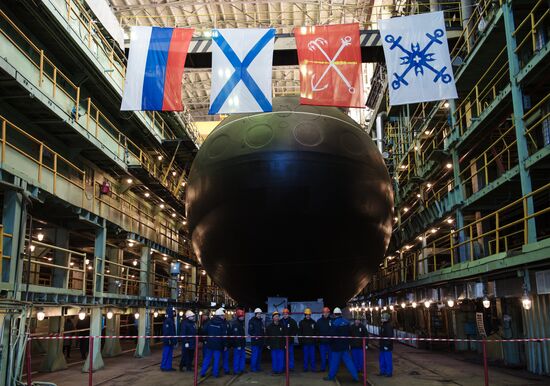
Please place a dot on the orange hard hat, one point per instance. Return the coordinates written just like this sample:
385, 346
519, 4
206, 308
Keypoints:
326, 309
286, 311
240, 313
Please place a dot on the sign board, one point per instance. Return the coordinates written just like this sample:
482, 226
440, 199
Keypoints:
480, 324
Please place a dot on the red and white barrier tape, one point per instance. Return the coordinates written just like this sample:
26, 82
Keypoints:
61, 336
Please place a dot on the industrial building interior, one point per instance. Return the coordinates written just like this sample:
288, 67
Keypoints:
95, 228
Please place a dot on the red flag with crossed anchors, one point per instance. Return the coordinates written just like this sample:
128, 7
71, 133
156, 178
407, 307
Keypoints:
330, 65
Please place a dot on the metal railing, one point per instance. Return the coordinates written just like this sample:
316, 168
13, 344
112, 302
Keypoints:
530, 32
2, 256
502, 230
537, 125
43, 268
483, 93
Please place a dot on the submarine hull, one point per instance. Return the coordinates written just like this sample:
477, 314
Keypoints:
293, 203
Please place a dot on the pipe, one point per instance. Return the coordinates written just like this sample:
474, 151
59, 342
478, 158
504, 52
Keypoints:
380, 130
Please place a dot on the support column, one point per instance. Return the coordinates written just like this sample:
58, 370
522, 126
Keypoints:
519, 125
144, 329
95, 330
61, 276
112, 347
14, 221
100, 247
145, 282
54, 360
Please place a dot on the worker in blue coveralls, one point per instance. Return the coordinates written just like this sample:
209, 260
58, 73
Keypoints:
256, 330
276, 343
168, 344
359, 331
307, 330
339, 348
291, 329
323, 329
386, 346
188, 332
238, 342
216, 328
202, 332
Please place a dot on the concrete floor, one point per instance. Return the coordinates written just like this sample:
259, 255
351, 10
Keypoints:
412, 367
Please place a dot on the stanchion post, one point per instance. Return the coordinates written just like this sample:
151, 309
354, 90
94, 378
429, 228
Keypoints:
91, 361
485, 366
196, 367
29, 369
286, 367
364, 361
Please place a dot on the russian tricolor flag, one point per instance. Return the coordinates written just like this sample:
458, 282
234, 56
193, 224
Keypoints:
155, 68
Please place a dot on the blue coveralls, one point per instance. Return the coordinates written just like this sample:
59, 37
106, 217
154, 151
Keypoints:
276, 343
291, 329
357, 348
256, 328
323, 328
239, 345
188, 330
339, 349
386, 346
168, 329
216, 346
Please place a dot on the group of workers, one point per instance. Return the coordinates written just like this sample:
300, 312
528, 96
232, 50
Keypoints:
220, 337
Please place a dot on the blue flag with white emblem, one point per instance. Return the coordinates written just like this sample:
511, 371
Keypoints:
417, 58
242, 61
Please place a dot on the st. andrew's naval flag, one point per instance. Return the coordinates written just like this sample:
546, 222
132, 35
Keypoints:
241, 70
417, 59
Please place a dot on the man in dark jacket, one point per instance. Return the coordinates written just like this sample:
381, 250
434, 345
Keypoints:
238, 343
359, 331
202, 332
386, 346
256, 330
188, 331
168, 329
339, 348
308, 328
216, 345
291, 329
276, 343
323, 329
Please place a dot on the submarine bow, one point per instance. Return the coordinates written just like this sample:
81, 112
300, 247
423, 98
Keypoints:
296, 203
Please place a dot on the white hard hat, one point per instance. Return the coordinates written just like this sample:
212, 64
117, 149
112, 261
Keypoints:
337, 310
189, 314
219, 312
258, 311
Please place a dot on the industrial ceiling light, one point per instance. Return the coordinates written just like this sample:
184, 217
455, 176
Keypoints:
486, 302
155, 314
405, 209
391, 307
526, 300
174, 215
427, 303
449, 220
164, 257
433, 230
87, 261
420, 238
40, 236
429, 185
136, 315
187, 266
403, 304
82, 314
129, 181
183, 183
413, 304
40, 315
403, 167
449, 165
184, 222
385, 308
109, 314
446, 105
395, 219
32, 248
370, 309
427, 132
130, 244
450, 303
147, 194
174, 173
135, 262
161, 206
376, 308
418, 195
159, 157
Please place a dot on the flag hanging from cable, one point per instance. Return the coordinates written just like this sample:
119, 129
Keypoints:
242, 61
417, 58
155, 68
330, 65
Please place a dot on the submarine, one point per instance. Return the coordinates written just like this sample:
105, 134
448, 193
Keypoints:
296, 202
